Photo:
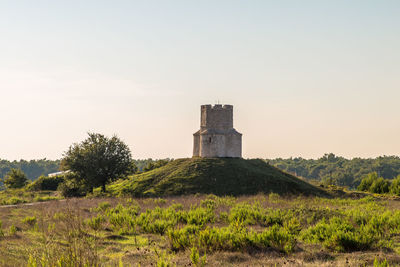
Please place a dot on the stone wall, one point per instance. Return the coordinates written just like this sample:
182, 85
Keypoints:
217, 137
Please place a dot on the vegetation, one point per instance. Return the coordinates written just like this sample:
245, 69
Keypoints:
203, 231
98, 160
15, 179
46, 183
22, 195
331, 169
374, 184
151, 165
220, 176
33, 168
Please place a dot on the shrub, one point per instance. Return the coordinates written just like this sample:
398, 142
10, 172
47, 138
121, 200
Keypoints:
395, 186
367, 181
46, 183
380, 186
12, 230
378, 263
248, 214
71, 188
14, 201
31, 221
1, 230
15, 178
95, 222
45, 198
195, 258
374, 184
123, 219
159, 220
199, 216
180, 239
340, 235
103, 206
276, 237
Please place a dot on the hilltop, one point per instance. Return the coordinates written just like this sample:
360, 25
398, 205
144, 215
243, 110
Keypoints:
219, 176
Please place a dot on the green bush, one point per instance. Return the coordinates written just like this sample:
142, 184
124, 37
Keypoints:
1, 230
159, 220
30, 220
122, 219
199, 216
46, 183
340, 235
380, 186
395, 186
14, 201
246, 213
71, 188
13, 230
374, 184
254, 214
15, 178
95, 223
180, 239
103, 206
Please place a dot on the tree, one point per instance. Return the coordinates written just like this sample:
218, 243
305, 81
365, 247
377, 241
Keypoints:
98, 160
395, 186
15, 178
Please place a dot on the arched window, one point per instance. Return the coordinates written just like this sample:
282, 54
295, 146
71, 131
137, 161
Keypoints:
209, 140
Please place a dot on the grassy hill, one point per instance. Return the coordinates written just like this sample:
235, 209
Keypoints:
219, 176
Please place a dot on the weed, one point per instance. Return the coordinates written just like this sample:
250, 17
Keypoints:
13, 230
195, 258
29, 220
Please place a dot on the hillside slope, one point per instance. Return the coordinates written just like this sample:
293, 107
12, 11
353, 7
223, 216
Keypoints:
220, 176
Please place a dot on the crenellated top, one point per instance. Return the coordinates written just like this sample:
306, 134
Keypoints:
216, 117
217, 107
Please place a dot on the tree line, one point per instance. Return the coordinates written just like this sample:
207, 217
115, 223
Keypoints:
332, 169
32, 169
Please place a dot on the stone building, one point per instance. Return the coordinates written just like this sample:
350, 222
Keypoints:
217, 138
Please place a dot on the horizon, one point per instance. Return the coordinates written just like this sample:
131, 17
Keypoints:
303, 78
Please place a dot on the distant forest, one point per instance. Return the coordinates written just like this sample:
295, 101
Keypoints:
331, 169
33, 168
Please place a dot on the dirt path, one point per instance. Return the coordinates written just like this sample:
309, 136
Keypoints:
30, 204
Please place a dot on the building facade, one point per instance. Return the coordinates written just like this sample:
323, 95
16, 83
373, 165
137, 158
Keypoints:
217, 138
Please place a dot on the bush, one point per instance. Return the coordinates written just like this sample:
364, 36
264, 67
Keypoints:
95, 222
12, 230
395, 186
15, 178
374, 184
31, 221
71, 188
380, 186
1, 230
340, 235
46, 183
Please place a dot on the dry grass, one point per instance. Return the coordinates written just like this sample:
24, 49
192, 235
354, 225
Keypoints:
60, 230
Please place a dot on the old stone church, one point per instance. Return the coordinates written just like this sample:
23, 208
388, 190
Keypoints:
217, 137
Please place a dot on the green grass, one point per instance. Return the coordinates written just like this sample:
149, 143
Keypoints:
261, 230
22, 195
219, 176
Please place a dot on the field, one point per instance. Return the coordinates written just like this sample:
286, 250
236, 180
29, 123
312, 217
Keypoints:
202, 230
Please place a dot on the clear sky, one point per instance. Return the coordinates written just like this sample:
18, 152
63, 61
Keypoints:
305, 77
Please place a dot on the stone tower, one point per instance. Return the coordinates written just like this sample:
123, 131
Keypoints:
217, 138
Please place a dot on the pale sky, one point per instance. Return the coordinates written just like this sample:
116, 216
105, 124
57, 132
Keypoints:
305, 77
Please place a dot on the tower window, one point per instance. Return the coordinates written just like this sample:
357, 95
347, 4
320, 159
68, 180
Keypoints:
209, 140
